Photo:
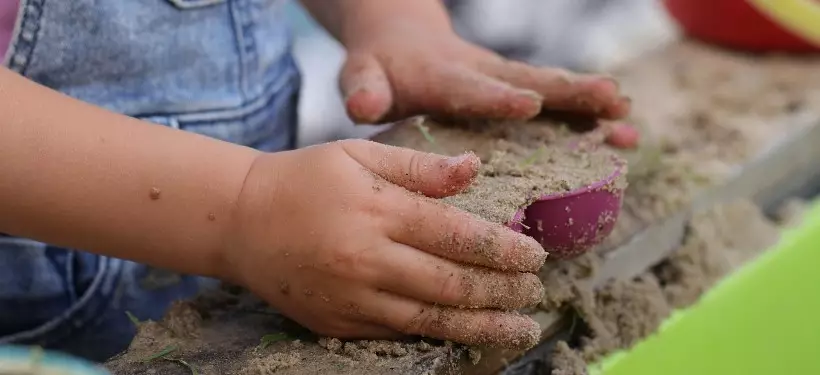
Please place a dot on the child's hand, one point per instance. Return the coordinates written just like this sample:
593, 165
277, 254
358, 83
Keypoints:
405, 68
336, 237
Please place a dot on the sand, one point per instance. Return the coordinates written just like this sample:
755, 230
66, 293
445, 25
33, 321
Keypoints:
520, 161
622, 313
231, 332
702, 112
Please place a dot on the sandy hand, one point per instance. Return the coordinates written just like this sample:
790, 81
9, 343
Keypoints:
345, 239
405, 70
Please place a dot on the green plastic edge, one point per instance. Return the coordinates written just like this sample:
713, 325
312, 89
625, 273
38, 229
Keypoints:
762, 319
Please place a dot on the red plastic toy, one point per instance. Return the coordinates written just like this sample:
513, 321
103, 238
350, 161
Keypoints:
752, 25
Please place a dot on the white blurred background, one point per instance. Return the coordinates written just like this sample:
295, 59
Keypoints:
584, 35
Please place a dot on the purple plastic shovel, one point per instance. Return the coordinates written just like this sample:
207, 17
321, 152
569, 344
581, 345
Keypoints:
570, 223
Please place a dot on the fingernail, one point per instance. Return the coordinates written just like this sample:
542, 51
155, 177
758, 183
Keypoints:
533, 244
532, 95
624, 108
528, 106
529, 334
457, 161
614, 82
623, 136
566, 78
355, 90
536, 289
539, 254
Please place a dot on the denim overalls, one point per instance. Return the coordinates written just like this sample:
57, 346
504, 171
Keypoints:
216, 67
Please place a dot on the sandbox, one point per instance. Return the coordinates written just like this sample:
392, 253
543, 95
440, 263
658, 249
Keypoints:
727, 137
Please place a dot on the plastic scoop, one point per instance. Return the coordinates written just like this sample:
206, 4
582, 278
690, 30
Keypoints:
568, 224
18, 359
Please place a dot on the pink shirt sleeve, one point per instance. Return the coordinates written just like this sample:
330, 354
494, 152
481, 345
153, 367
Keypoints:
8, 16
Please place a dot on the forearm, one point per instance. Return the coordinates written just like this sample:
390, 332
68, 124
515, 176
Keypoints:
78, 176
350, 20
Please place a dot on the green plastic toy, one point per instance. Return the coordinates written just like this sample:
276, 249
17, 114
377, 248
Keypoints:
23, 360
763, 319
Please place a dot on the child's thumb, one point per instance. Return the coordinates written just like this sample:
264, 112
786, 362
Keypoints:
433, 175
366, 89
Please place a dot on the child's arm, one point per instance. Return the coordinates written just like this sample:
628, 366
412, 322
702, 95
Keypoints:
79, 176
404, 59
329, 235
352, 20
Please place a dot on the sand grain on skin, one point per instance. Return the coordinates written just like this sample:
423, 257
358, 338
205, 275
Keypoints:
154, 193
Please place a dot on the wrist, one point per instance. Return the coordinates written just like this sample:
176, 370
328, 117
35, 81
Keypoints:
253, 214
388, 17
355, 22
219, 218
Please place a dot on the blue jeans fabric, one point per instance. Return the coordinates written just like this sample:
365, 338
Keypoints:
221, 68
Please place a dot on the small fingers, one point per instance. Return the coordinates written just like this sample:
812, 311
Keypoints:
366, 89
595, 95
622, 135
430, 174
440, 229
425, 277
468, 326
453, 91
